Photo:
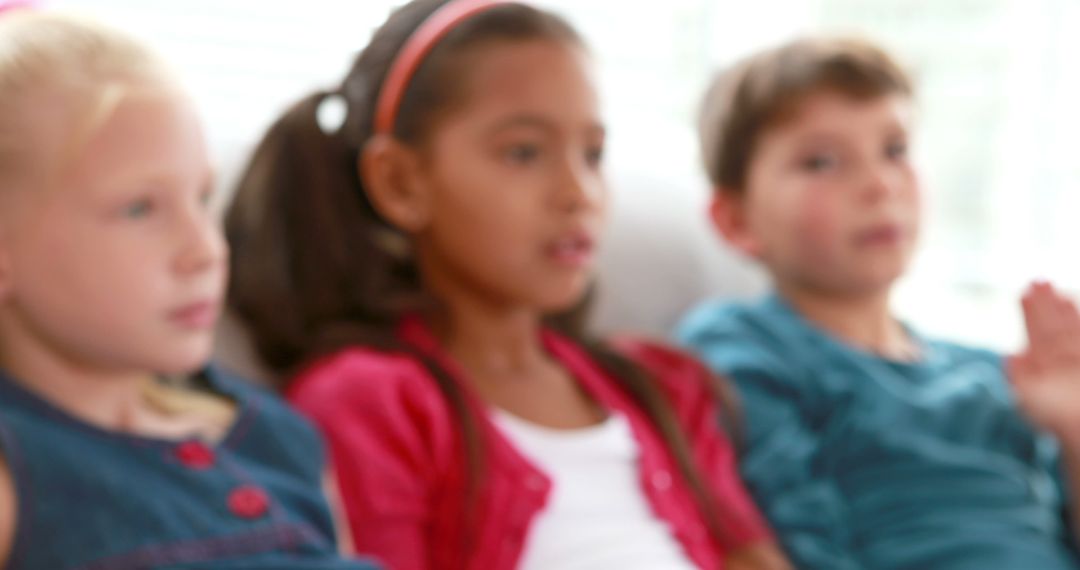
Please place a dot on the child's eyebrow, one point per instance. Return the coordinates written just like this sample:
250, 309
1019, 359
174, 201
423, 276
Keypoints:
821, 136
523, 121
540, 122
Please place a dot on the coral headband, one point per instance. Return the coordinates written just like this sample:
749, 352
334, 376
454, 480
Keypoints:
419, 44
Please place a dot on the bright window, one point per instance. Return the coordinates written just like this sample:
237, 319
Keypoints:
998, 92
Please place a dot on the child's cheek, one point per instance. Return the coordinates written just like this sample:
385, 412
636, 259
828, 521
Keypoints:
817, 227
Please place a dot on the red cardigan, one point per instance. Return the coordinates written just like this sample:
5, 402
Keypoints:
401, 466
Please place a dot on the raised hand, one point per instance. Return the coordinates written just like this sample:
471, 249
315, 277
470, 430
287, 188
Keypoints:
1046, 375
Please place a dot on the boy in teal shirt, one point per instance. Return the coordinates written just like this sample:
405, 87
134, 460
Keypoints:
868, 445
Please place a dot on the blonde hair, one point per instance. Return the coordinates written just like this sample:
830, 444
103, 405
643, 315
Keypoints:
89, 64
762, 90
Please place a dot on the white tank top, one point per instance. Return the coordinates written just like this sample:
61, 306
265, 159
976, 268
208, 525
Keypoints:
597, 516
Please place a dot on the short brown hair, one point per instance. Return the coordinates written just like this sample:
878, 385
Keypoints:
758, 92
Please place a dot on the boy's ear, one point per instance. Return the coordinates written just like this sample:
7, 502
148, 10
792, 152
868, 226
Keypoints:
391, 175
729, 217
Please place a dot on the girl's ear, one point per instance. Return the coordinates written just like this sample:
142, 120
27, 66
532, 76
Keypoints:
730, 218
391, 174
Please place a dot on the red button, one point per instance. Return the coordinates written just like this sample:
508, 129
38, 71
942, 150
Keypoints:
249, 502
195, 455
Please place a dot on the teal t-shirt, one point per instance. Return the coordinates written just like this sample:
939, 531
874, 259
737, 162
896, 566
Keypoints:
863, 462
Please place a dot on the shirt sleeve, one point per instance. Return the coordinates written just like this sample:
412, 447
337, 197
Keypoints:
383, 433
778, 462
1051, 460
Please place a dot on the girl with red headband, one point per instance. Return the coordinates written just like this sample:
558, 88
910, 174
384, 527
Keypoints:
417, 276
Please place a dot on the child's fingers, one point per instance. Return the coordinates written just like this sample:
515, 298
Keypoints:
1037, 305
1068, 313
1052, 323
1062, 327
